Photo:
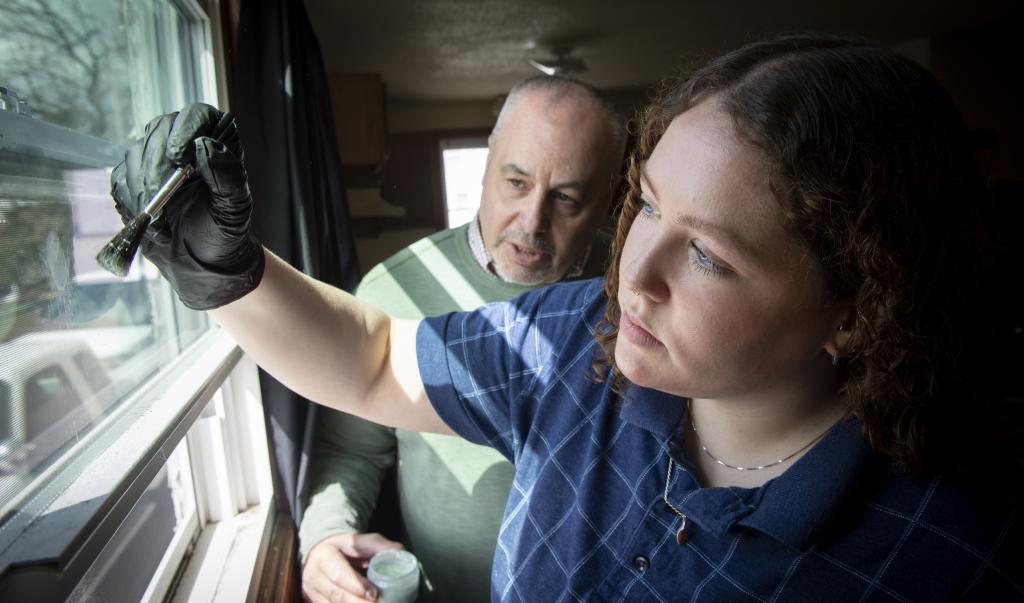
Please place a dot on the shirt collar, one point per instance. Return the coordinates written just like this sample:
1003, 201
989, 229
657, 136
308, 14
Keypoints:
792, 508
476, 244
486, 261
795, 507
656, 411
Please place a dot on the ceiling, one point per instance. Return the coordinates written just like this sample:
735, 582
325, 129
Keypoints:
476, 49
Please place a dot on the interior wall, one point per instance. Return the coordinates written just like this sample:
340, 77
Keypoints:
982, 70
407, 178
917, 49
421, 116
406, 116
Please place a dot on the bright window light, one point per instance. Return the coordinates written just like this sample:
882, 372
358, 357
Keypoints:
463, 174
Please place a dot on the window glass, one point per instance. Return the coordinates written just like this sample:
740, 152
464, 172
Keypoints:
52, 399
6, 419
79, 79
92, 370
464, 160
166, 511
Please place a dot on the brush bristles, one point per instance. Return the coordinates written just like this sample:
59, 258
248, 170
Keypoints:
117, 255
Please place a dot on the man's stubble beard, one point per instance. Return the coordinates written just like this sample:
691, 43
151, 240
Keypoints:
521, 275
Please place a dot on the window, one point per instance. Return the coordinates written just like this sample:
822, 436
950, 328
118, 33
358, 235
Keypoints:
5, 418
80, 78
165, 509
50, 399
115, 399
464, 160
215, 474
92, 371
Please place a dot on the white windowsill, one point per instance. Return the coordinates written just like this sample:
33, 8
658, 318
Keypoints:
224, 560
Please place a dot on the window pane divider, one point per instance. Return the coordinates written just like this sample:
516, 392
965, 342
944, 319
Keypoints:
56, 142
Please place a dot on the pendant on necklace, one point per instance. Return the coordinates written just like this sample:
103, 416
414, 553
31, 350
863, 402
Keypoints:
681, 532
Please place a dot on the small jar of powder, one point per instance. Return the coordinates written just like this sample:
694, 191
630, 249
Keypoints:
396, 575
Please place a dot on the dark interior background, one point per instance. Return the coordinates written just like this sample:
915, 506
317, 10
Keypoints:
406, 74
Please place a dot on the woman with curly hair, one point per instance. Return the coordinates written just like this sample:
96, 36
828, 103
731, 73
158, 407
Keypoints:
767, 398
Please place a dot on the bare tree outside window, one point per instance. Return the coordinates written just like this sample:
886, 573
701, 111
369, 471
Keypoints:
66, 59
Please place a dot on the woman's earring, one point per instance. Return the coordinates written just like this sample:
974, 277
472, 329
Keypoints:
635, 292
835, 354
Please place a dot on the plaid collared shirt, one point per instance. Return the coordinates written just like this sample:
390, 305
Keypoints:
483, 257
586, 519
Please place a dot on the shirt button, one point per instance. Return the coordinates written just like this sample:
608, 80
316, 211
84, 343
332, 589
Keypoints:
641, 563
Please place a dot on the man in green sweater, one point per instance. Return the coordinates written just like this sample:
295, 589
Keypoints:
553, 165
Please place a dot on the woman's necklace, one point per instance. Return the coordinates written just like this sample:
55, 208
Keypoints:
700, 442
681, 532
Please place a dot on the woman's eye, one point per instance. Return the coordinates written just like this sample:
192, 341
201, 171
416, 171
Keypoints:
705, 264
647, 210
516, 183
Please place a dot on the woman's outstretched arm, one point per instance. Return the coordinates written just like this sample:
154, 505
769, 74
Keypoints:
331, 348
328, 346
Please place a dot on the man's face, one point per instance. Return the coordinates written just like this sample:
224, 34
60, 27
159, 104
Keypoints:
546, 187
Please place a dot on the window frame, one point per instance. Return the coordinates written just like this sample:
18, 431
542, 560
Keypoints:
102, 477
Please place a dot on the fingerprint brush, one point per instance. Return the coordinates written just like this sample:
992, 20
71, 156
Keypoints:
117, 255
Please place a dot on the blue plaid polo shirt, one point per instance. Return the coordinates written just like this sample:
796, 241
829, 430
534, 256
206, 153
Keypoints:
586, 519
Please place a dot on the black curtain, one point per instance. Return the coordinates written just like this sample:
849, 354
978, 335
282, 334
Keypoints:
284, 117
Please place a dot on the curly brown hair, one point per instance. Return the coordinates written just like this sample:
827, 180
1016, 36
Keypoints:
875, 177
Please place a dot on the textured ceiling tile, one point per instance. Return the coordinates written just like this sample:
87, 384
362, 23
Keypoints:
465, 49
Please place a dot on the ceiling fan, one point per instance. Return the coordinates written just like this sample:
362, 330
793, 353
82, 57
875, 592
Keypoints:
561, 64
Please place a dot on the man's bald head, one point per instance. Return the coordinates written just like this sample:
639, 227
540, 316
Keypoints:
557, 89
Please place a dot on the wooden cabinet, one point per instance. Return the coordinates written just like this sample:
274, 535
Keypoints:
358, 104
412, 178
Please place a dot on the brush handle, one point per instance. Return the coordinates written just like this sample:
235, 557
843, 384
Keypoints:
170, 186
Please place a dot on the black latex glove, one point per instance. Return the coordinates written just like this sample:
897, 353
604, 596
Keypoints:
201, 240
